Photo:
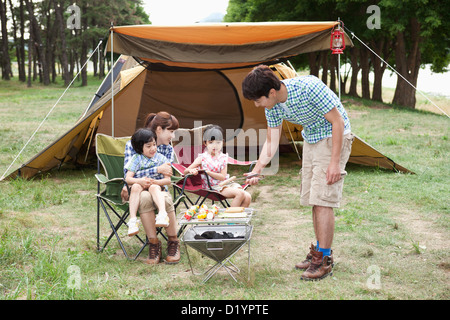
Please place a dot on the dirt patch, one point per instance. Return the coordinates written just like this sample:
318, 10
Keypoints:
425, 232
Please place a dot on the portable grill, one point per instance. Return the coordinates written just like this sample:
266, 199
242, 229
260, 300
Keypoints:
219, 250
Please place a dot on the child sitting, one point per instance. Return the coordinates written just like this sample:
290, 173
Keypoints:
214, 162
144, 143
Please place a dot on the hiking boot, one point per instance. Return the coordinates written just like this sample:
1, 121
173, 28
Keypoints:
305, 263
154, 251
173, 252
319, 268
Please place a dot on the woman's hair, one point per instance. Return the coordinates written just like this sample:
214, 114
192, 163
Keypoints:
141, 137
161, 119
214, 132
258, 83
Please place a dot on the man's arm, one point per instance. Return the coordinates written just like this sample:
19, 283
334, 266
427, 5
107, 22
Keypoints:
268, 151
337, 134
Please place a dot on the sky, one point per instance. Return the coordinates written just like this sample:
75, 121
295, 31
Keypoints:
179, 12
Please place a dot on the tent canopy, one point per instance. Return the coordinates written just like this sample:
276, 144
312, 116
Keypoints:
221, 45
195, 73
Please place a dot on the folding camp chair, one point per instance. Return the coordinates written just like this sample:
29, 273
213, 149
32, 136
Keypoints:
185, 154
110, 156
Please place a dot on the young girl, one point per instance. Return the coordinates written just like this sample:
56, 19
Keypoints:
144, 143
214, 162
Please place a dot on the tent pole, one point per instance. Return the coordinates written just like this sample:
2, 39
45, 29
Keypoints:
112, 81
339, 75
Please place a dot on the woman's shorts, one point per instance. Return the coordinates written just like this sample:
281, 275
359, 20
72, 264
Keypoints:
314, 190
146, 203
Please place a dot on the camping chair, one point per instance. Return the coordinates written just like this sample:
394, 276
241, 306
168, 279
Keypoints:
110, 156
185, 154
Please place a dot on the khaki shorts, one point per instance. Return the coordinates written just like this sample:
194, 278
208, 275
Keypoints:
314, 189
146, 203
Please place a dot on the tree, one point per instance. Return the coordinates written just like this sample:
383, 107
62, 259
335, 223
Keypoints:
421, 29
412, 33
6, 61
38, 44
58, 5
54, 48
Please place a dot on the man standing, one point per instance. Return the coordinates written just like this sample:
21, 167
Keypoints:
327, 145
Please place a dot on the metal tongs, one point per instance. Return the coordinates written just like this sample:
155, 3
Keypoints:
253, 175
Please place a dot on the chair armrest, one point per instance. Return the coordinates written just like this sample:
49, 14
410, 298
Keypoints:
104, 180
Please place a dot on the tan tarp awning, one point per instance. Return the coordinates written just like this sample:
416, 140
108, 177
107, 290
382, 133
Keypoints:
221, 45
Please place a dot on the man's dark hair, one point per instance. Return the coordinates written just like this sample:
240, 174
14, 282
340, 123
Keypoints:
141, 137
258, 83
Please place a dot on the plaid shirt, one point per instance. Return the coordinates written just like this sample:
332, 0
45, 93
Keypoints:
140, 164
165, 150
309, 99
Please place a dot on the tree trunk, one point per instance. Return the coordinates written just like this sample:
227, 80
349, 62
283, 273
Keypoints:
383, 49
101, 66
365, 70
354, 54
38, 43
22, 72
95, 57
30, 58
344, 76
6, 61
314, 63
324, 58
408, 66
333, 75
16, 42
50, 43
62, 37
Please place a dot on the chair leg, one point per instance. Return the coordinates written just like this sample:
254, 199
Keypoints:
98, 224
142, 248
113, 229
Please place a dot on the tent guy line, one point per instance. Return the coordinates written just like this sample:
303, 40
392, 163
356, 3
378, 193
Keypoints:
51, 110
354, 36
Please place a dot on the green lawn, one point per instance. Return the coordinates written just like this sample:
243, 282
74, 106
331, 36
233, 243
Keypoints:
391, 240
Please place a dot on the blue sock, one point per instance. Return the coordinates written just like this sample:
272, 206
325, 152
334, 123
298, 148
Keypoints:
326, 252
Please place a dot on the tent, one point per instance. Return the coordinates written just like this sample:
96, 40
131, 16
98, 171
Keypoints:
194, 72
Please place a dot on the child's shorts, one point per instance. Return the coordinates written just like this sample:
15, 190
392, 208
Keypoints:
146, 203
314, 189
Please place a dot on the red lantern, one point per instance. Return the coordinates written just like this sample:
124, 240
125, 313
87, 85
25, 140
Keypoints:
337, 42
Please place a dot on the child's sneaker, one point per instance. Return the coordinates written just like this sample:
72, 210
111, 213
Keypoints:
133, 227
162, 220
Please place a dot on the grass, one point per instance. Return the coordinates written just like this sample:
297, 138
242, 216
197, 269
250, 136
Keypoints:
391, 226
